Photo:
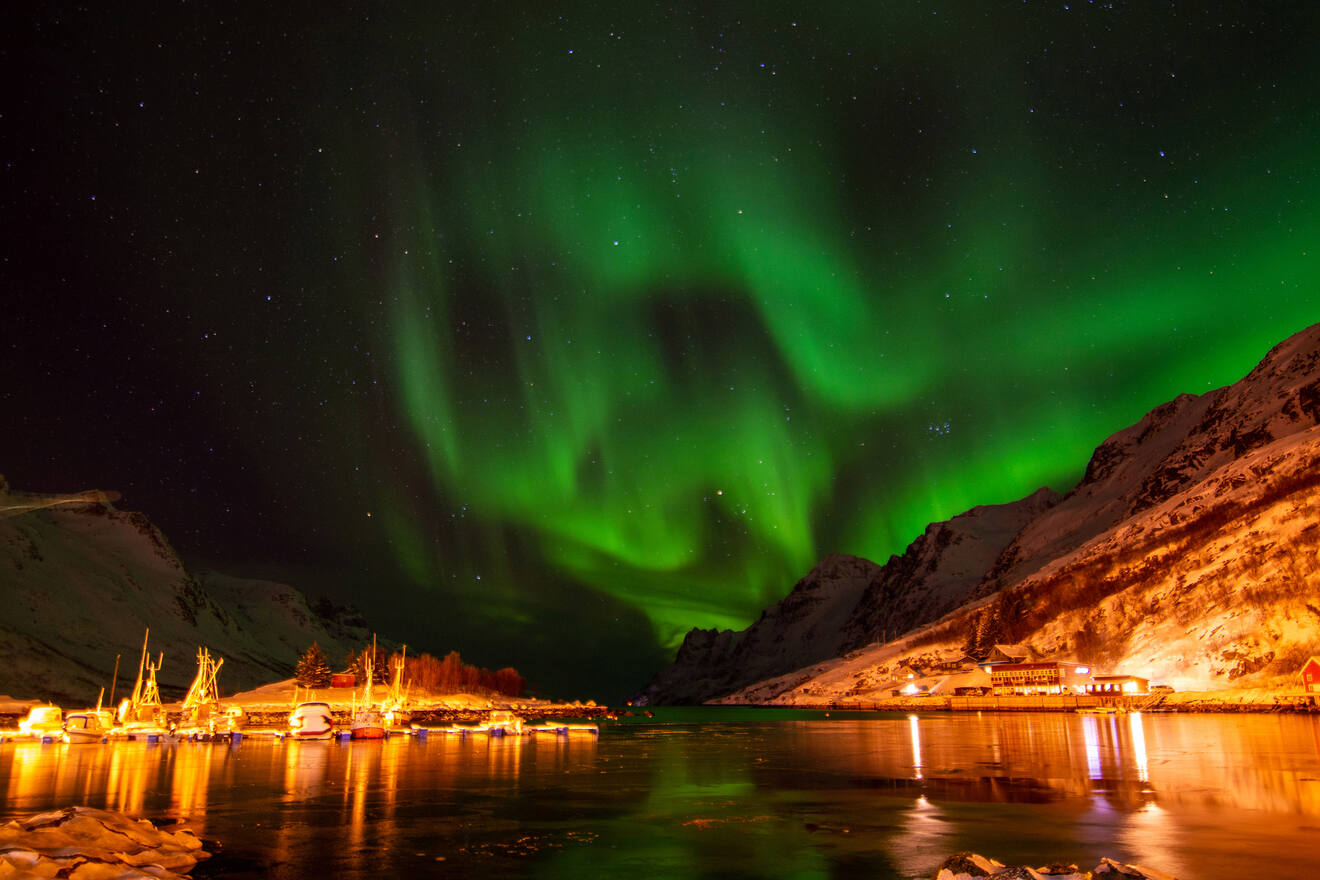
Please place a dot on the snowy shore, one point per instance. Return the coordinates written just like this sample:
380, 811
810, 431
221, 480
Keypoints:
970, 866
87, 844
1256, 700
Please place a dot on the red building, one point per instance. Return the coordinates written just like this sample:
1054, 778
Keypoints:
1311, 676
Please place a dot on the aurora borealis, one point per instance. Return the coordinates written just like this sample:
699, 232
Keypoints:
547, 332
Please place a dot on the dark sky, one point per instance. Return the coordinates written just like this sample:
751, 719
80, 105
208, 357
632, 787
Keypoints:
545, 332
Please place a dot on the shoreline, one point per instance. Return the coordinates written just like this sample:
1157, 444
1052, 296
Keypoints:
1191, 702
270, 704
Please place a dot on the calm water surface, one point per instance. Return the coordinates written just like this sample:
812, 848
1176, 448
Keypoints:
726, 793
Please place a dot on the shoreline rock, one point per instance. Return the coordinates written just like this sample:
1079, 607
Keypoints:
973, 866
82, 842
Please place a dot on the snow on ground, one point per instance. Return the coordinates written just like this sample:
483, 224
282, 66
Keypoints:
86, 844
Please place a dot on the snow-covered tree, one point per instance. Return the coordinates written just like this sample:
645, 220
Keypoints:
313, 668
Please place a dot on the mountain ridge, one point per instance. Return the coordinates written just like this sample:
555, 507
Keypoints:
84, 580
1186, 552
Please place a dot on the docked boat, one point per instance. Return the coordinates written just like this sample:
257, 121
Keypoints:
562, 728
395, 709
368, 723
42, 721
502, 723
368, 719
203, 715
84, 727
142, 715
311, 720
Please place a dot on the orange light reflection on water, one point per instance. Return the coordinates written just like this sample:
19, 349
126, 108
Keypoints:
915, 727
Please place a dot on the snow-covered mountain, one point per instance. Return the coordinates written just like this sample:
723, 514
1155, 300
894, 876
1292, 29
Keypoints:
846, 603
82, 581
1189, 553
805, 626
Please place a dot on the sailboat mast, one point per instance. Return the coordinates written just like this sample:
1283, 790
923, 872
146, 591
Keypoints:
114, 679
142, 665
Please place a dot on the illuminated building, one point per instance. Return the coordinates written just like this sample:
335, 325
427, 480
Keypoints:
1036, 679
1111, 685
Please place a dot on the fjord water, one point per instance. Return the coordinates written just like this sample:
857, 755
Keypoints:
726, 793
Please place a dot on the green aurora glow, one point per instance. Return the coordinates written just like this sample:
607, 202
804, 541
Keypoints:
656, 335
615, 321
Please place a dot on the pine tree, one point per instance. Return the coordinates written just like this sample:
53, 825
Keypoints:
313, 669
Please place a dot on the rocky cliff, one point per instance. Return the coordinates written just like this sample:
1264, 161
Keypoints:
846, 602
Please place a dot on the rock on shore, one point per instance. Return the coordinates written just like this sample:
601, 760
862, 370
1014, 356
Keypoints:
87, 844
971, 866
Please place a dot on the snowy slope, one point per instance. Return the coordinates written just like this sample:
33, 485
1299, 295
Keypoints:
847, 602
805, 626
940, 570
1171, 449
82, 582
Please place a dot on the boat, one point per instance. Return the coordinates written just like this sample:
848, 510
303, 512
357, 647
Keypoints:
502, 723
562, 728
42, 721
84, 727
395, 711
88, 725
368, 723
311, 720
203, 715
142, 715
1102, 710
368, 719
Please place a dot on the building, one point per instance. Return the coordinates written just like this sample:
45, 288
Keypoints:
1311, 676
953, 661
1038, 679
1116, 685
1007, 654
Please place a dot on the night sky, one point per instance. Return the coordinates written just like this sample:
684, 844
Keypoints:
545, 332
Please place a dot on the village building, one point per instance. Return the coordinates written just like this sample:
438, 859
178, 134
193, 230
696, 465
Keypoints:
1310, 675
1038, 679
1116, 685
974, 682
953, 661
1007, 654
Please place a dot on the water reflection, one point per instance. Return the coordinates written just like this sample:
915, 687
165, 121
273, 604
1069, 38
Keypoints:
1139, 746
885, 797
915, 727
